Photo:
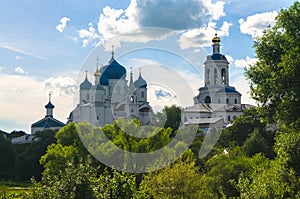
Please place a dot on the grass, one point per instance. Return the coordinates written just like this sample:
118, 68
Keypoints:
16, 190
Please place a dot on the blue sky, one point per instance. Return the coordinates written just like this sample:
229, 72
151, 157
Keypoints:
46, 45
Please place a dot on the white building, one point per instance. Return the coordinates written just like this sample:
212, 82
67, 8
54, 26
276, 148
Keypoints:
48, 122
217, 99
111, 97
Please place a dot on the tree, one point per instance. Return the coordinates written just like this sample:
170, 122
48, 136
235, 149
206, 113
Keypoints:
7, 158
275, 77
178, 180
28, 155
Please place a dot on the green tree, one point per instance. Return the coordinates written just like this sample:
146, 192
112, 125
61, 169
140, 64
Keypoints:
275, 77
178, 180
7, 158
28, 155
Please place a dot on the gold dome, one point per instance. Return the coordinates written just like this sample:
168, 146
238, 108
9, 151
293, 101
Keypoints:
216, 39
97, 73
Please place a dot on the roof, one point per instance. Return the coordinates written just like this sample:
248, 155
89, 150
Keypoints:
48, 122
218, 57
86, 84
228, 90
204, 108
140, 82
49, 105
204, 120
114, 70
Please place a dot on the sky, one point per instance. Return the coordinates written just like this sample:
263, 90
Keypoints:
45, 47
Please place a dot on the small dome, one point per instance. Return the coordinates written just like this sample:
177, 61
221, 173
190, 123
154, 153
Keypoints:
49, 105
216, 39
97, 73
140, 83
114, 70
104, 80
86, 85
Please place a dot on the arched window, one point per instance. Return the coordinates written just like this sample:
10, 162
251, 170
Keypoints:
142, 94
235, 101
215, 76
88, 96
229, 119
223, 76
208, 76
227, 101
207, 100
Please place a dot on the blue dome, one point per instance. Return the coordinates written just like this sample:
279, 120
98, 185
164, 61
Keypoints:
104, 80
114, 70
86, 85
228, 90
140, 83
49, 105
218, 57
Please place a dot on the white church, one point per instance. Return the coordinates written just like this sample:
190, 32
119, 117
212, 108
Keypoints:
112, 97
217, 102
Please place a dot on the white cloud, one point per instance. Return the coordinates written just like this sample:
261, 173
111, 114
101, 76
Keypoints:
25, 102
19, 70
242, 86
216, 10
201, 37
62, 86
147, 20
18, 57
245, 62
88, 35
14, 49
63, 23
255, 24
230, 59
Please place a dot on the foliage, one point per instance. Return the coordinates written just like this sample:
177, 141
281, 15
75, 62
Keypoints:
28, 155
275, 77
178, 180
270, 180
7, 158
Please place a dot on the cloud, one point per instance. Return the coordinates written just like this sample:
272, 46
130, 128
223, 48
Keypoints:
34, 95
88, 35
255, 24
18, 57
201, 37
147, 20
242, 86
63, 23
14, 49
245, 63
62, 86
215, 10
19, 70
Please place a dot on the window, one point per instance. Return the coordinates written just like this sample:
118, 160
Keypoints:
235, 101
219, 101
208, 76
223, 76
215, 76
229, 119
207, 100
142, 94
227, 101
88, 96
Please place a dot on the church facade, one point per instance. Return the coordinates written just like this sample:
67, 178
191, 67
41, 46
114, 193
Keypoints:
112, 97
48, 122
217, 102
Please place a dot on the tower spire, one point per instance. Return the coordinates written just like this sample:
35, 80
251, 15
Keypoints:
112, 50
216, 44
